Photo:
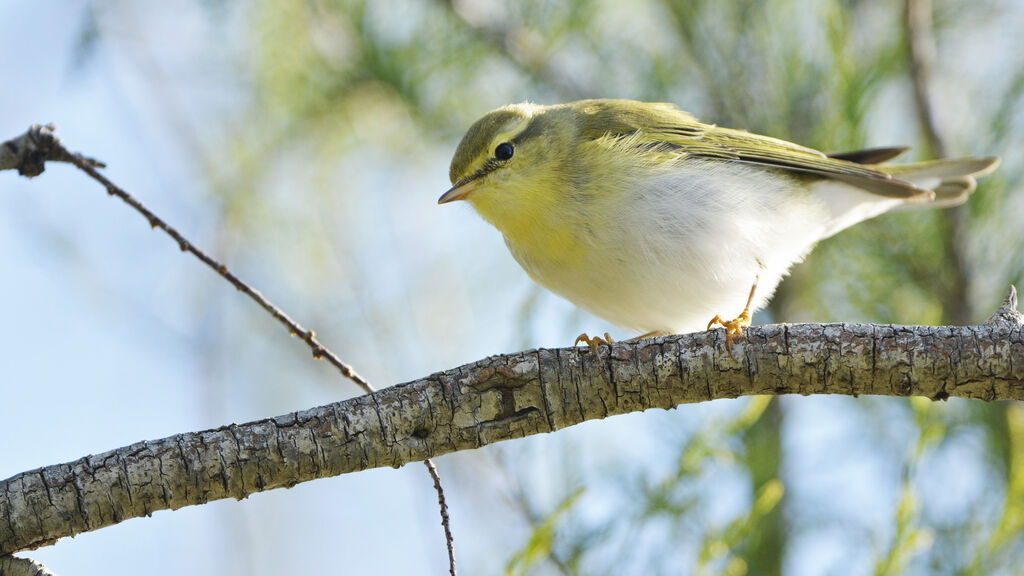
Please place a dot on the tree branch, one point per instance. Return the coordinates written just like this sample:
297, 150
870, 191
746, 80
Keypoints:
505, 397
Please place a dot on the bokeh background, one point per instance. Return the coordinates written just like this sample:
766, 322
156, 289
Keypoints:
305, 144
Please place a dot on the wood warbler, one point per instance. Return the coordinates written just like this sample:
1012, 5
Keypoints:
654, 221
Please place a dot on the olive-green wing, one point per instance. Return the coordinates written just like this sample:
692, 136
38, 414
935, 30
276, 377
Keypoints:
662, 126
749, 147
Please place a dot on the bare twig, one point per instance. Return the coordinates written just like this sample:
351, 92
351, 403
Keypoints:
444, 514
28, 154
307, 336
43, 145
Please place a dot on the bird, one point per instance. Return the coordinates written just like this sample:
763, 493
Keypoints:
656, 222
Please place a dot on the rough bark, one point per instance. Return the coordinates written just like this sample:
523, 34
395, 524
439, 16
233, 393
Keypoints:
11, 566
505, 397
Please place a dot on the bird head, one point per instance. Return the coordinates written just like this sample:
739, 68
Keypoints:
512, 164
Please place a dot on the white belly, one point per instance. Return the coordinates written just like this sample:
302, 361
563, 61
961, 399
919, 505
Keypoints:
688, 245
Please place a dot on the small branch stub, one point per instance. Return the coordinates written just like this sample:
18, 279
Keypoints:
29, 153
1007, 313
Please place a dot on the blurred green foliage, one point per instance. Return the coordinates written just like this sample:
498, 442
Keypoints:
401, 79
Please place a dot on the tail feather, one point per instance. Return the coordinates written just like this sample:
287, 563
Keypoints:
952, 181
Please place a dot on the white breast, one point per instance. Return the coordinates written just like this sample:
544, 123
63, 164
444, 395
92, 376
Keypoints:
688, 243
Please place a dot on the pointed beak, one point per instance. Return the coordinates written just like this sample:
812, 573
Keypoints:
458, 192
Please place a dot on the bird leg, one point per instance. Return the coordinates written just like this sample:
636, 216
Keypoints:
734, 328
594, 342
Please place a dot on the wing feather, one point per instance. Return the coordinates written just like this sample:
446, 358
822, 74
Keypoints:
664, 127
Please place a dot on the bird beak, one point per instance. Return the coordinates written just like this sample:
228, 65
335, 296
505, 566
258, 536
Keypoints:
457, 192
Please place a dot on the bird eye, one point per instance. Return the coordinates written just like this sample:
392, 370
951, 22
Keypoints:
504, 151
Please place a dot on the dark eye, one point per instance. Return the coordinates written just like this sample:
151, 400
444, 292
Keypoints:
504, 151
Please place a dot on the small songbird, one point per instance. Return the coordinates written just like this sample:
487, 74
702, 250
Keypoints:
646, 217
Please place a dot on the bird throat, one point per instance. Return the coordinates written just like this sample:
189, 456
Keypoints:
536, 232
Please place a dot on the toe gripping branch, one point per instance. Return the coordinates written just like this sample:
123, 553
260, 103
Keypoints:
594, 342
734, 328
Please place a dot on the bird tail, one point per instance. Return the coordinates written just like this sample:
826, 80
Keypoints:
951, 180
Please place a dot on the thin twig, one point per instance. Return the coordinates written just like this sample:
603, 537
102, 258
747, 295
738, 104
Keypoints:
307, 336
444, 514
29, 153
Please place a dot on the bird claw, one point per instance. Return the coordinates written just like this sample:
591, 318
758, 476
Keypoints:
733, 328
594, 342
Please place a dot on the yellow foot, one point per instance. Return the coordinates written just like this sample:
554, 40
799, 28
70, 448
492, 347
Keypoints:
734, 328
594, 342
